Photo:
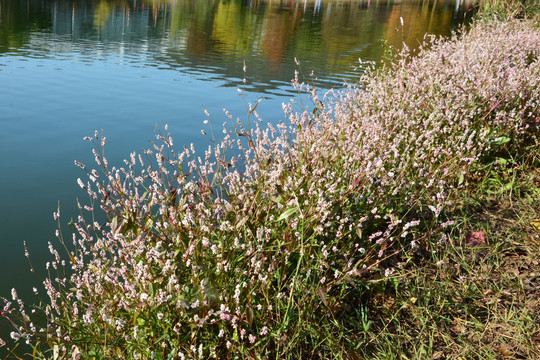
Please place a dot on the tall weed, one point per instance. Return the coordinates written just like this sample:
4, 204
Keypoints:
264, 245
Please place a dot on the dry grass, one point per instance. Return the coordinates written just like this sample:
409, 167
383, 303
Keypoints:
509, 9
459, 301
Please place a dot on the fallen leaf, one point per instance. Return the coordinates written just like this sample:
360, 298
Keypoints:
437, 355
458, 329
504, 351
475, 238
536, 224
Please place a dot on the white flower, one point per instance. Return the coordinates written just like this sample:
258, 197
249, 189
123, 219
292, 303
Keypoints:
388, 272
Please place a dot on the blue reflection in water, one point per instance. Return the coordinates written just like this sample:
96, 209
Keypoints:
68, 68
50, 104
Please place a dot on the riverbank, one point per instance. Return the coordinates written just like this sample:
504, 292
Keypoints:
472, 293
358, 223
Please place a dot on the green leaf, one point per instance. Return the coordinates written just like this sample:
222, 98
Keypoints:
500, 140
149, 224
71, 224
536, 224
172, 355
461, 179
114, 224
288, 213
144, 195
278, 199
241, 223
250, 316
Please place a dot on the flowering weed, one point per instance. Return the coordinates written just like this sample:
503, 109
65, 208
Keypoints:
264, 246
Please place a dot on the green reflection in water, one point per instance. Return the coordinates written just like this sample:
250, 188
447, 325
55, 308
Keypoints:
328, 36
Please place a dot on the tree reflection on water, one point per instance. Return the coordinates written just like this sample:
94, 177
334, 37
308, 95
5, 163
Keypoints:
327, 36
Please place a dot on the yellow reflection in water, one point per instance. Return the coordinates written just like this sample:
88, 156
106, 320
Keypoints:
232, 31
408, 22
338, 31
102, 13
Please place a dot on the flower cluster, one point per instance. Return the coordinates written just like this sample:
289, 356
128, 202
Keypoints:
259, 247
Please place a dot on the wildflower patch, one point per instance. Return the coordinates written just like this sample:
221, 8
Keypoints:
262, 246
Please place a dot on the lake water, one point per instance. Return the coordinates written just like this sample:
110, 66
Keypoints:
68, 68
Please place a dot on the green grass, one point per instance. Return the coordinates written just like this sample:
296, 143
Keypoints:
509, 9
459, 301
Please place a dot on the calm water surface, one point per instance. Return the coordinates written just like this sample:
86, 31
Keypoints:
70, 67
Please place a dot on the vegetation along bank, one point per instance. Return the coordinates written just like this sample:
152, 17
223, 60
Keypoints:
299, 240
